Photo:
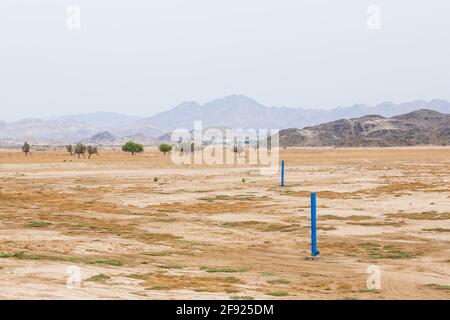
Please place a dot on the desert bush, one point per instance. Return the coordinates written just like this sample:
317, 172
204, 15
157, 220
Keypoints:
91, 150
26, 148
69, 149
164, 148
80, 149
133, 147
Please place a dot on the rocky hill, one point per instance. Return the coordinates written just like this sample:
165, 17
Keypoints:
422, 127
103, 138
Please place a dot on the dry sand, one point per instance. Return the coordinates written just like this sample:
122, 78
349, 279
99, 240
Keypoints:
200, 232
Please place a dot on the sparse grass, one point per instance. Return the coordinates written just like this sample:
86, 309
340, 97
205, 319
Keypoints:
111, 262
99, 278
438, 230
390, 252
243, 197
170, 266
344, 218
139, 276
326, 228
231, 280
6, 255
242, 224
378, 224
157, 254
262, 226
242, 298
267, 274
271, 227
38, 224
427, 215
166, 220
198, 284
278, 281
278, 293
369, 291
215, 198
438, 287
158, 287
221, 270
87, 260
370, 245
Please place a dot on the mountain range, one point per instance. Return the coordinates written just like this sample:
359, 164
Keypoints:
235, 111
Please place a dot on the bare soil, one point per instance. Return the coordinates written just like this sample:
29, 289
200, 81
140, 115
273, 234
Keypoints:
202, 232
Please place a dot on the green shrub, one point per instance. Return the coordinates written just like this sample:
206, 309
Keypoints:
133, 147
164, 148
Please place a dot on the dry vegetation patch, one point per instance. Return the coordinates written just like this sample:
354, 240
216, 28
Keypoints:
200, 284
427, 215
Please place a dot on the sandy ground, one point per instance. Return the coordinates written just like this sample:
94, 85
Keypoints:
201, 232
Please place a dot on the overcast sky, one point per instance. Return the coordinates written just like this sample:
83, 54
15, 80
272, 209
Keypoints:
145, 56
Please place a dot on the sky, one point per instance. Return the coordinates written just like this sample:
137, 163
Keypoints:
142, 57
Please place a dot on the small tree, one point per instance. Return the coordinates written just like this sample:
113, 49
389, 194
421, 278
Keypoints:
132, 147
26, 148
164, 148
80, 149
69, 149
91, 150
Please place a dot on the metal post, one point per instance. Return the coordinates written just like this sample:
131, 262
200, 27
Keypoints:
314, 251
282, 173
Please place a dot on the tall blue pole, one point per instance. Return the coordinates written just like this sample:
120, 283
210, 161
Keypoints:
314, 251
282, 173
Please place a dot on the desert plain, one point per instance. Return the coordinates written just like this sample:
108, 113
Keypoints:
118, 226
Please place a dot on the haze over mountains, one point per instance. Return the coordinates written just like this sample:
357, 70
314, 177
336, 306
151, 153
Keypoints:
236, 111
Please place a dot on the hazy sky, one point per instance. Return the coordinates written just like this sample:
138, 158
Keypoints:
145, 56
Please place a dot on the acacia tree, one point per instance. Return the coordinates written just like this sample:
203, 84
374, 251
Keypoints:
133, 147
80, 149
91, 150
26, 148
69, 149
164, 148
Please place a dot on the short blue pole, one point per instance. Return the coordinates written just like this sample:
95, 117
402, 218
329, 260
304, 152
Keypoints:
314, 251
282, 173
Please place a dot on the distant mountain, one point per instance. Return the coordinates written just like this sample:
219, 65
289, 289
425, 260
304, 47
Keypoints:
102, 138
38, 131
87, 128
106, 120
238, 111
235, 111
421, 127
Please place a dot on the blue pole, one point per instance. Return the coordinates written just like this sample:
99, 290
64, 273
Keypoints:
282, 173
314, 251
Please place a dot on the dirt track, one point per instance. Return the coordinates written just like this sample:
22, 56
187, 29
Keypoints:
202, 232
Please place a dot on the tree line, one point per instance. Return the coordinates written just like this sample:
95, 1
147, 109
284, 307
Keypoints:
81, 150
